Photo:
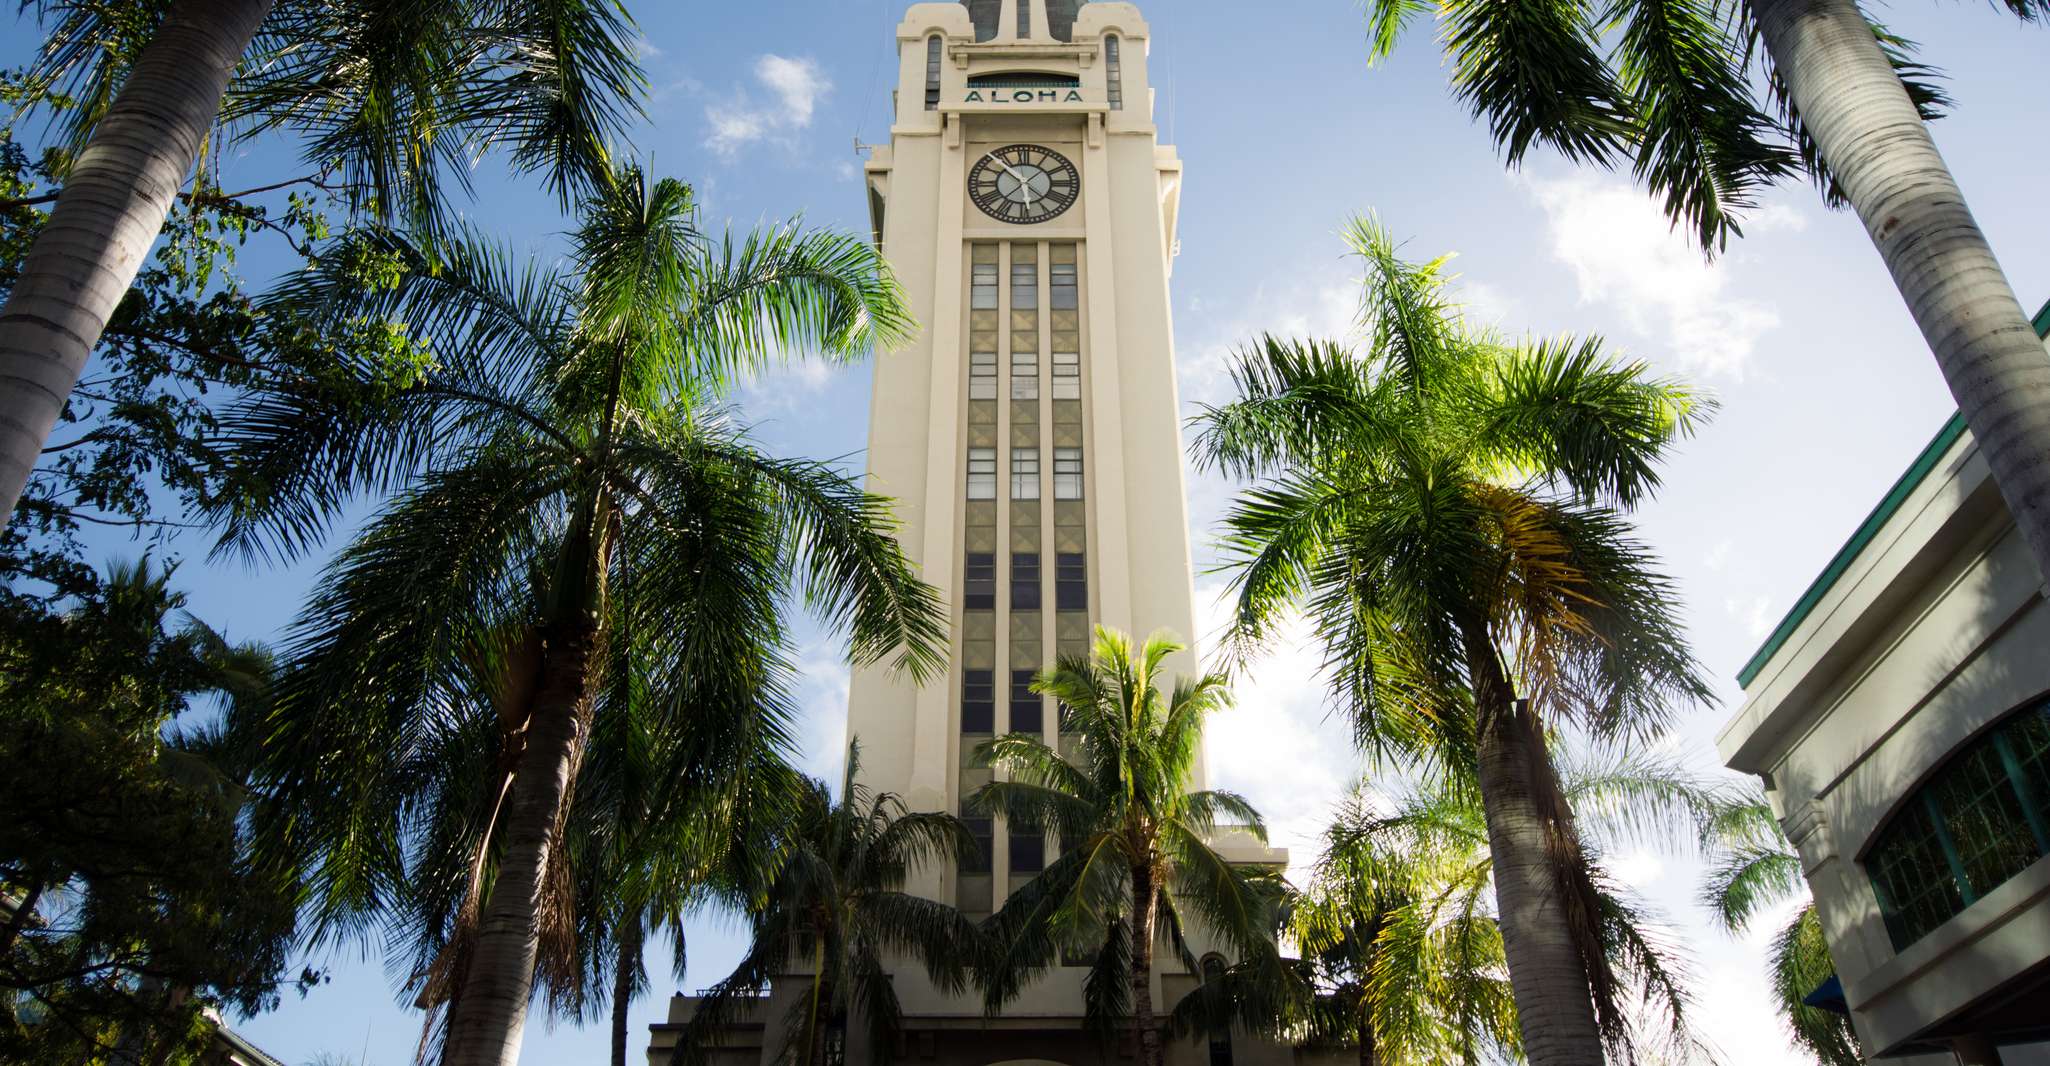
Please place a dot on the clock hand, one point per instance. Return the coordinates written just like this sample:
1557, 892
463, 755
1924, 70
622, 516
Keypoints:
1023, 182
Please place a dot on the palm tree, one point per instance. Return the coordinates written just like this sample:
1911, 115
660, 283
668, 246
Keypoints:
1423, 985
836, 907
1754, 869
1405, 958
1672, 98
397, 97
558, 477
1447, 506
1136, 851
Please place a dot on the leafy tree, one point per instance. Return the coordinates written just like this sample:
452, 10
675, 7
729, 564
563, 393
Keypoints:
1666, 88
135, 447
1137, 856
557, 477
134, 905
1448, 508
836, 910
394, 100
1753, 870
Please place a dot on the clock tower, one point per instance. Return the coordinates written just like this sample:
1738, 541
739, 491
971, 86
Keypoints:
1031, 440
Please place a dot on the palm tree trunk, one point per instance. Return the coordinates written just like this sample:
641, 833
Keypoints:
113, 204
1145, 1031
1880, 152
490, 1014
1367, 1056
629, 966
1547, 973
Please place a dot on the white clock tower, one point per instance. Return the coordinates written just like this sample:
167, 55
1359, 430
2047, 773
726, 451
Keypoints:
1030, 437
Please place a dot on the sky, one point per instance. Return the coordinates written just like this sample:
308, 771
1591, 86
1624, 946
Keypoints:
1826, 388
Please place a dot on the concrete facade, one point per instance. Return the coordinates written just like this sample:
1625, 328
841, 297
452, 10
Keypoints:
1919, 658
1046, 344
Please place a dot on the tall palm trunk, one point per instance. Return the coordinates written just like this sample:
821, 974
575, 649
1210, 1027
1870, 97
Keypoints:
114, 203
1547, 972
1367, 1055
1876, 145
490, 1014
629, 967
1145, 1031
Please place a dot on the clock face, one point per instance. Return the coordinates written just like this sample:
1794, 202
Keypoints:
1023, 183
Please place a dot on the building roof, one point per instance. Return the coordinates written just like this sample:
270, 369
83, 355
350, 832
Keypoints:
1912, 478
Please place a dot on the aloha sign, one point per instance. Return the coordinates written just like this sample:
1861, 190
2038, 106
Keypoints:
1022, 96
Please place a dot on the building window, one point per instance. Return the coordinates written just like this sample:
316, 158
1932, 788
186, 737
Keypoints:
1024, 375
1024, 280
932, 73
1067, 473
1220, 1037
978, 701
1024, 581
982, 375
982, 473
1981, 819
1024, 19
979, 583
1025, 473
983, 832
1061, 281
982, 283
1113, 74
1067, 375
1028, 708
1028, 851
1071, 581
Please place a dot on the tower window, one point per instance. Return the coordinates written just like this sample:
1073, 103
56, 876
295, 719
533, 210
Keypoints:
1071, 581
1114, 74
1024, 282
1062, 281
1024, 19
978, 701
1067, 473
982, 473
983, 832
1024, 375
1067, 375
1024, 581
979, 582
982, 291
1028, 851
1028, 708
1025, 473
932, 73
982, 375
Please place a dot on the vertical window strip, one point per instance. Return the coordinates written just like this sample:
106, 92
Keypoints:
1113, 73
932, 73
1028, 708
982, 292
1067, 473
1024, 473
982, 473
978, 701
1024, 19
1067, 375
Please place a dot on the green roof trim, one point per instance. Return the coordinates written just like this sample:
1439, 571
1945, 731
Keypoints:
1868, 529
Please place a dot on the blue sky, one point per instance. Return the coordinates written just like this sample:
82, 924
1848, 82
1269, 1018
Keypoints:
1827, 390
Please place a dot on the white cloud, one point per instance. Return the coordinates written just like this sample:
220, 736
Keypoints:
796, 84
846, 171
1276, 745
1625, 254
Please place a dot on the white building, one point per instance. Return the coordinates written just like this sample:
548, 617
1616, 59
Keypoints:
1900, 716
1031, 438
